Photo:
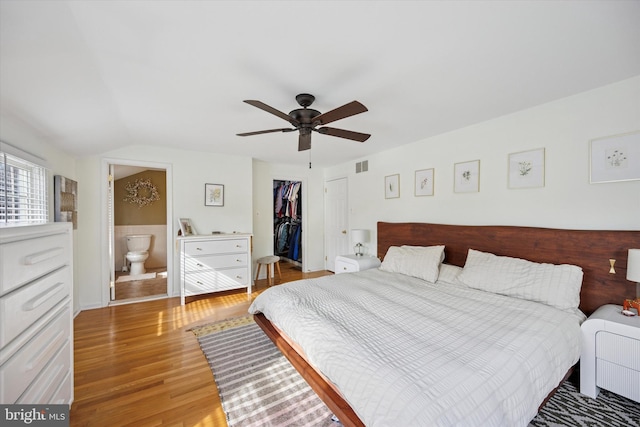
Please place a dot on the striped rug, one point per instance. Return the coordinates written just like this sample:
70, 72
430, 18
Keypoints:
257, 384
259, 387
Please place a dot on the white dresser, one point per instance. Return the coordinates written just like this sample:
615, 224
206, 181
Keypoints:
36, 314
353, 263
214, 263
610, 353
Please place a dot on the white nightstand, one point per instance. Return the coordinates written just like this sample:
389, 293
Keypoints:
610, 353
353, 263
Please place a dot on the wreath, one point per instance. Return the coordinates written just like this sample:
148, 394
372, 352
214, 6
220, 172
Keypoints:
142, 192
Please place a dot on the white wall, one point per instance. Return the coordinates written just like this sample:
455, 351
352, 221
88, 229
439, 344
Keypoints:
189, 173
23, 136
567, 200
563, 128
312, 212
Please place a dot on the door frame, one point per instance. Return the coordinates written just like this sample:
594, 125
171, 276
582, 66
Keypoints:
108, 260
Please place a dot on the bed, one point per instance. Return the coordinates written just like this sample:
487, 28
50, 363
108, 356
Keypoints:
425, 342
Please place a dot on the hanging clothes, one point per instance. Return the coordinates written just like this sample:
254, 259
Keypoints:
287, 203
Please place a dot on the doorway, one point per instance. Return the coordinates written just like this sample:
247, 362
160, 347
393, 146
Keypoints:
287, 220
139, 206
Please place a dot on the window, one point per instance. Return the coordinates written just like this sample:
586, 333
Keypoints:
23, 191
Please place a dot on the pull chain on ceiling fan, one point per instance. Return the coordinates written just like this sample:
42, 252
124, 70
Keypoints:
306, 120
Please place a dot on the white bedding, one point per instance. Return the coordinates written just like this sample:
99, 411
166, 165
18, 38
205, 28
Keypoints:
405, 352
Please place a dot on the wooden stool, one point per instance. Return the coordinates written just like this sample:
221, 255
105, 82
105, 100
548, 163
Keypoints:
268, 261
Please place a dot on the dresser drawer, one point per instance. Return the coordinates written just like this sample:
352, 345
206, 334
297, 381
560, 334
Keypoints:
618, 379
216, 246
46, 387
26, 363
614, 348
215, 280
215, 261
19, 309
32, 258
346, 267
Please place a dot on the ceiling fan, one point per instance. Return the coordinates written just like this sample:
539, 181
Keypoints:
305, 120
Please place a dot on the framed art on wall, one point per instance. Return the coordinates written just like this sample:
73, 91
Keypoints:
466, 177
392, 186
615, 158
424, 182
65, 200
214, 195
186, 228
526, 169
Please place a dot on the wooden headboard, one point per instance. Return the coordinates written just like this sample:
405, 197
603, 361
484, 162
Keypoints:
589, 249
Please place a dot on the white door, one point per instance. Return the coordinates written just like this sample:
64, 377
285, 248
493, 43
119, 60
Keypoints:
336, 221
110, 239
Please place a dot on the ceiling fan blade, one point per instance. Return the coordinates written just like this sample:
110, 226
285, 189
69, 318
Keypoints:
347, 134
265, 131
347, 110
268, 109
304, 141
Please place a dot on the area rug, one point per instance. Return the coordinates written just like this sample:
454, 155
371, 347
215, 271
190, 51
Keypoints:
131, 278
257, 384
567, 407
259, 387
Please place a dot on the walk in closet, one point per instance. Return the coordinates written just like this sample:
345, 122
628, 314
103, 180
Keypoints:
287, 220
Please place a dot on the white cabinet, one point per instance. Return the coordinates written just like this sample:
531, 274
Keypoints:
353, 263
214, 263
610, 353
36, 314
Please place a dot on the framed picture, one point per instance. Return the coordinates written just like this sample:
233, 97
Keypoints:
424, 182
615, 158
392, 186
526, 169
65, 200
214, 195
466, 177
186, 228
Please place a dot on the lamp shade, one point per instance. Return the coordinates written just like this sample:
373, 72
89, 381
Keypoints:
633, 265
362, 236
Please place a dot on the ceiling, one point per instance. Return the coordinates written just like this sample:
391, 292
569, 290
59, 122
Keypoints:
92, 76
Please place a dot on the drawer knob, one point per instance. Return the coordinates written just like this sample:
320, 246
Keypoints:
238, 277
199, 265
344, 268
198, 249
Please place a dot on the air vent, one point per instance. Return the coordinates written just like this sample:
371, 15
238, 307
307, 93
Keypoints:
362, 166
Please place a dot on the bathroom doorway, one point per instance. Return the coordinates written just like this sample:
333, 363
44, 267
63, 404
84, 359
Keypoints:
139, 232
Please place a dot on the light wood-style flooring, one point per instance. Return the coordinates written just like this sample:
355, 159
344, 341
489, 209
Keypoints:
139, 364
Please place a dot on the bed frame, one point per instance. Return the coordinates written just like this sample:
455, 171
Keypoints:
589, 249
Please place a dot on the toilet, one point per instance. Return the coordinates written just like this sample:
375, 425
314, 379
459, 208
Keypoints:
138, 252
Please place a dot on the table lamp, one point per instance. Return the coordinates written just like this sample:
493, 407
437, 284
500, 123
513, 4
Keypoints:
633, 268
360, 236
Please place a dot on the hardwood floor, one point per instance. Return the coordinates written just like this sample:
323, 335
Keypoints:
139, 364
142, 288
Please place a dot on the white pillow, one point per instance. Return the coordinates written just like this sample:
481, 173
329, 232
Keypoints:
554, 285
449, 274
416, 261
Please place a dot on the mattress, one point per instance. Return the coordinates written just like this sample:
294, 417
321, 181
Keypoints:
403, 351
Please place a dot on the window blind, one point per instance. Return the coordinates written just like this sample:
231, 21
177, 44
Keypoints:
23, 191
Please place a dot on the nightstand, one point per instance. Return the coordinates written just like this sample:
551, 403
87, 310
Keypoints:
610, 353
353, 263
